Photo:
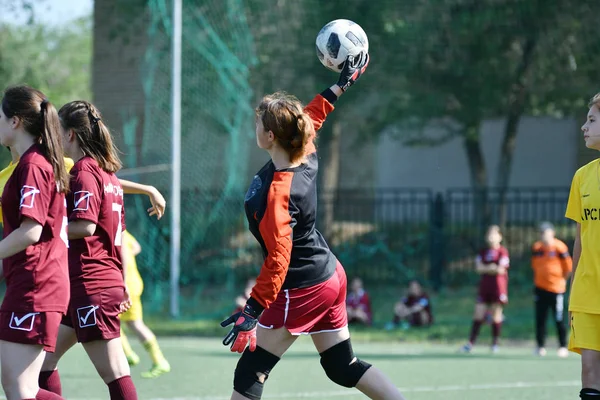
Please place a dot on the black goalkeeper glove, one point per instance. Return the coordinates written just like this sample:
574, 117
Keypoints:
353, 69
243, 331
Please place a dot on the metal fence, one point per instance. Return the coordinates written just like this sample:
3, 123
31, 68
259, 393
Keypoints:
386, 237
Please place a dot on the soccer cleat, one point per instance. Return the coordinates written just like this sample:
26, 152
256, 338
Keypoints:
133, 359
540, 351
157, 370
494, 349
466, 348
563, 352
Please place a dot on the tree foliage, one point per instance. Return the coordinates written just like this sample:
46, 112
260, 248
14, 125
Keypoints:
54, 59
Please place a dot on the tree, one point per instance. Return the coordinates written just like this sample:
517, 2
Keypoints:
56, 60
468, 60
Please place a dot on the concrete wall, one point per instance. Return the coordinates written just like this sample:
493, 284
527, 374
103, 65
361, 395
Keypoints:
546, 155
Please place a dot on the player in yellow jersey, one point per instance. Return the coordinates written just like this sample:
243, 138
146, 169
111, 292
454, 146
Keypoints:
584, 302
134, 316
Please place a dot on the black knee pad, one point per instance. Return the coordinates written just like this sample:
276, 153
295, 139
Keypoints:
251, 363
589, 394
337, 361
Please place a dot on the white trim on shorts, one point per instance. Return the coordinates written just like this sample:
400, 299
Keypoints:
287, 305
323, 331
306, 333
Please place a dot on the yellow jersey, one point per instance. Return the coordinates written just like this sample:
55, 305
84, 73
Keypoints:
134, 282
584, 207
7, 172
4, 175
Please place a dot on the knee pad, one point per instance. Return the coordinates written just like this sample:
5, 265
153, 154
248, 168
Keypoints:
245, 379
341, 366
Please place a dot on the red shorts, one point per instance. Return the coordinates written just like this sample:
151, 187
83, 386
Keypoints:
30, 328
315, 309
96, 316
492, 296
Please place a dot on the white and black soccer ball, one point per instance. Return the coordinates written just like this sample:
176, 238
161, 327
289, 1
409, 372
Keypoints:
339, 39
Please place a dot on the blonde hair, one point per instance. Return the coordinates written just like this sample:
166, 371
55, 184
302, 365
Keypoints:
283, 114
595, 101
494, 228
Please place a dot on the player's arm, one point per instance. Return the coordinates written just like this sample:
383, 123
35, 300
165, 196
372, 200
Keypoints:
28, 233
80, 228
276, 229
574, 212
322, 104
566, 262
576, 252
156, 198
503, 263
33, 210
482, 268
84, 202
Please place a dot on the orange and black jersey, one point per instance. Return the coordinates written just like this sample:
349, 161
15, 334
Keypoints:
281, 207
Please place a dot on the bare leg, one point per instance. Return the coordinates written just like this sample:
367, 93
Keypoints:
140, 329
21, 366
590, 369
66, 339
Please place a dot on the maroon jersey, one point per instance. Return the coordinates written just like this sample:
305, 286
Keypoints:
361, 301
423, 300
36, 278
499, 256
96, 196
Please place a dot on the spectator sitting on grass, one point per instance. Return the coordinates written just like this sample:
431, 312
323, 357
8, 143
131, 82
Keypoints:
413, 310
358, 304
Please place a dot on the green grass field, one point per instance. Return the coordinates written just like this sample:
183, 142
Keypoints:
203, 368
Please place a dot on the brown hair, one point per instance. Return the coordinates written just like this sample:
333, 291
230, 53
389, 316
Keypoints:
283, 115
595, 101
93, 136
40, 119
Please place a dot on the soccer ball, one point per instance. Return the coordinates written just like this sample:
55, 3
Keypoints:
339, 39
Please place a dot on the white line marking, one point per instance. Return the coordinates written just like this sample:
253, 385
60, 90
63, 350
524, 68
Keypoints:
448, 388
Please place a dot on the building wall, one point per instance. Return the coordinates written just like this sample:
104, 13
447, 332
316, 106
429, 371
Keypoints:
546, 155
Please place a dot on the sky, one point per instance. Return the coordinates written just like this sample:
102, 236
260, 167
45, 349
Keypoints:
53, 12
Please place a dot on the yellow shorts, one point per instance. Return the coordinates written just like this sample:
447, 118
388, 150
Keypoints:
136, 312
585, 332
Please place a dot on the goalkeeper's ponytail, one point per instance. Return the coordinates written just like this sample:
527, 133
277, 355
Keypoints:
283, 115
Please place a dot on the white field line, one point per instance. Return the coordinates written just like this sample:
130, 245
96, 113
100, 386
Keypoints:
449, 388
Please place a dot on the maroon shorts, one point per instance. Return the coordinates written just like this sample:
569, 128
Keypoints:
30, 328
491, 296
95, 316
315, 309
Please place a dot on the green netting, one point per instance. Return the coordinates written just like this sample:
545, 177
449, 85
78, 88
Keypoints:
216, 112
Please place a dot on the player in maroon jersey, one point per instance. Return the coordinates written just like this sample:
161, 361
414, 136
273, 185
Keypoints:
34, 249
414, 309
358, 304
492, 264
96, 222
301, 288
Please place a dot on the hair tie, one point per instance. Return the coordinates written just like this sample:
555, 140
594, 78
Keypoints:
43, 104
92, 117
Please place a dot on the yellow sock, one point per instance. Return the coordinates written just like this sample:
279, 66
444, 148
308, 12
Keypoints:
126, 346
153, 349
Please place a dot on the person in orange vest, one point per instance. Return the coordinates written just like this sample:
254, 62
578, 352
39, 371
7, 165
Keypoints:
552, 265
